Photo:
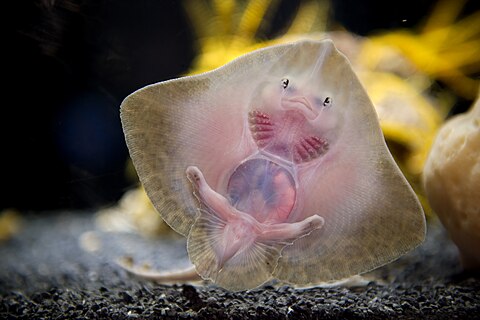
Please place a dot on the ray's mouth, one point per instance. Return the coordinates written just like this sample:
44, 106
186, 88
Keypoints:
300, 104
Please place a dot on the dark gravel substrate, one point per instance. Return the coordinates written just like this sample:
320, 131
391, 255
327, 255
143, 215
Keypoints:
45, 274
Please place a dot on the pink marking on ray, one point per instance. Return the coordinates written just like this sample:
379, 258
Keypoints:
257, 117
309, 148
261, 128
261, 135
302, 152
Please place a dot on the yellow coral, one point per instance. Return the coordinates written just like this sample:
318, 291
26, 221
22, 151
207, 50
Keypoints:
228, 29
444, 49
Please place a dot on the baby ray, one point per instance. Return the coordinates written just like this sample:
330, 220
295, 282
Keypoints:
273, 167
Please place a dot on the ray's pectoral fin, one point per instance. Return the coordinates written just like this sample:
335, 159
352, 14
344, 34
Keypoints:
231, 247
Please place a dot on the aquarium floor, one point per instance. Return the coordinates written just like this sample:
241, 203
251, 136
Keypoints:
45, 273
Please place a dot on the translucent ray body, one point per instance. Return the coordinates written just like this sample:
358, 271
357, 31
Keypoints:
346, 207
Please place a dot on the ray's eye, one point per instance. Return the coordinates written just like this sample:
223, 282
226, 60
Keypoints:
327, 102
285, 83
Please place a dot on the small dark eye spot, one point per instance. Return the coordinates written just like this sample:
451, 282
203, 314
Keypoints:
327, 102
285, 83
